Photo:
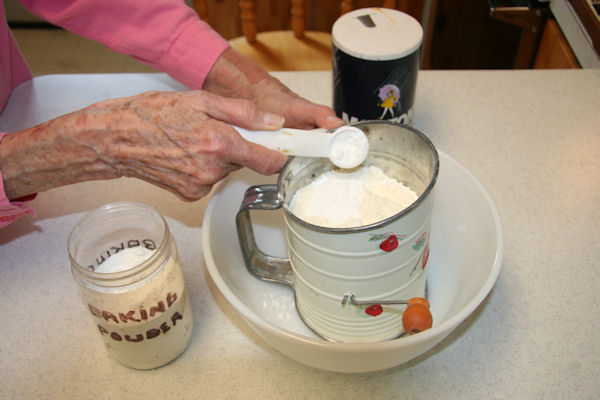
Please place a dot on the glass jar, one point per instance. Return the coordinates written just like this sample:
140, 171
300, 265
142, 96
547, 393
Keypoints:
126, 265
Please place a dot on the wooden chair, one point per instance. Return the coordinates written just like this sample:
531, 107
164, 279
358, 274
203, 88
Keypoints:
296, 49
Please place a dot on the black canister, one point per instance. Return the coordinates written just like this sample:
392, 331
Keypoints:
376, 57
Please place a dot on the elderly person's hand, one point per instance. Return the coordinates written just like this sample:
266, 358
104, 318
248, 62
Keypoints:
234, 75
180, 141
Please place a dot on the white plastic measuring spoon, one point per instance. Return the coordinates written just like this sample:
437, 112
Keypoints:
346, 147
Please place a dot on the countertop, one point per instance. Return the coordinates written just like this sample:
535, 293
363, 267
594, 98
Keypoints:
532, 138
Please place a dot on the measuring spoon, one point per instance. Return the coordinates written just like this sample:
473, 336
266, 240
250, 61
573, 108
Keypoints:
346, 146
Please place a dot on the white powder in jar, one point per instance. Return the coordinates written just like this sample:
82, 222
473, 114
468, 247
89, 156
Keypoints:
341, 199
124, 259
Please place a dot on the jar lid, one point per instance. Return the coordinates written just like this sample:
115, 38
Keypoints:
377, 34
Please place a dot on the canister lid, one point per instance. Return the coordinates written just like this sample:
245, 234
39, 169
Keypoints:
377, 34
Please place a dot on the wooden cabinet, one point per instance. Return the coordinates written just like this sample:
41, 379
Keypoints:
554, 51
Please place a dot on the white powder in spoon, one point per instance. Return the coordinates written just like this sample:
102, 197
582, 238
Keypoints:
349, 148
124, 259
350, 199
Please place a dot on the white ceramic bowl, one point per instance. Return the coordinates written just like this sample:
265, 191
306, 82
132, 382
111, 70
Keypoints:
464, 262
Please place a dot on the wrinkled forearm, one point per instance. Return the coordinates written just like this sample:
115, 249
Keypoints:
175, 140
59, 152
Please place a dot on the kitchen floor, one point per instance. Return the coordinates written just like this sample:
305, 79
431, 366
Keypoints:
55, 51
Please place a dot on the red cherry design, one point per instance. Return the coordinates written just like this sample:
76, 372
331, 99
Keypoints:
389, 244
374, 310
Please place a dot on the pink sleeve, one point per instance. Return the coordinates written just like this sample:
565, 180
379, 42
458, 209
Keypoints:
11, 211
166, 34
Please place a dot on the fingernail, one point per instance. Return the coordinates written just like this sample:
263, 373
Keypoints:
273, 120
334, 122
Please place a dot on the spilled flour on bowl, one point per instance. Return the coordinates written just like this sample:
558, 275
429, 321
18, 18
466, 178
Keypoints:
339, 199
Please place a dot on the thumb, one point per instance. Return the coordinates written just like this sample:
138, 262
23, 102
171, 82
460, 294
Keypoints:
268, 121
243, 113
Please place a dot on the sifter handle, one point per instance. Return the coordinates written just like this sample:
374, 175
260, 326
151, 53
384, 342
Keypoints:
259, 264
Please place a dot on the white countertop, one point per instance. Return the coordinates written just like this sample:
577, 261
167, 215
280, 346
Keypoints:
532, 138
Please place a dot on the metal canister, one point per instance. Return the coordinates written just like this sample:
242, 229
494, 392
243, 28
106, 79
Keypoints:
348, 281
376, 58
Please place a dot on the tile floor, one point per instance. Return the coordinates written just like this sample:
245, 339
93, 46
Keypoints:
55, 51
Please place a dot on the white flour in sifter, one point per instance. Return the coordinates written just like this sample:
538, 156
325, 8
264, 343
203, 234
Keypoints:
340, 199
